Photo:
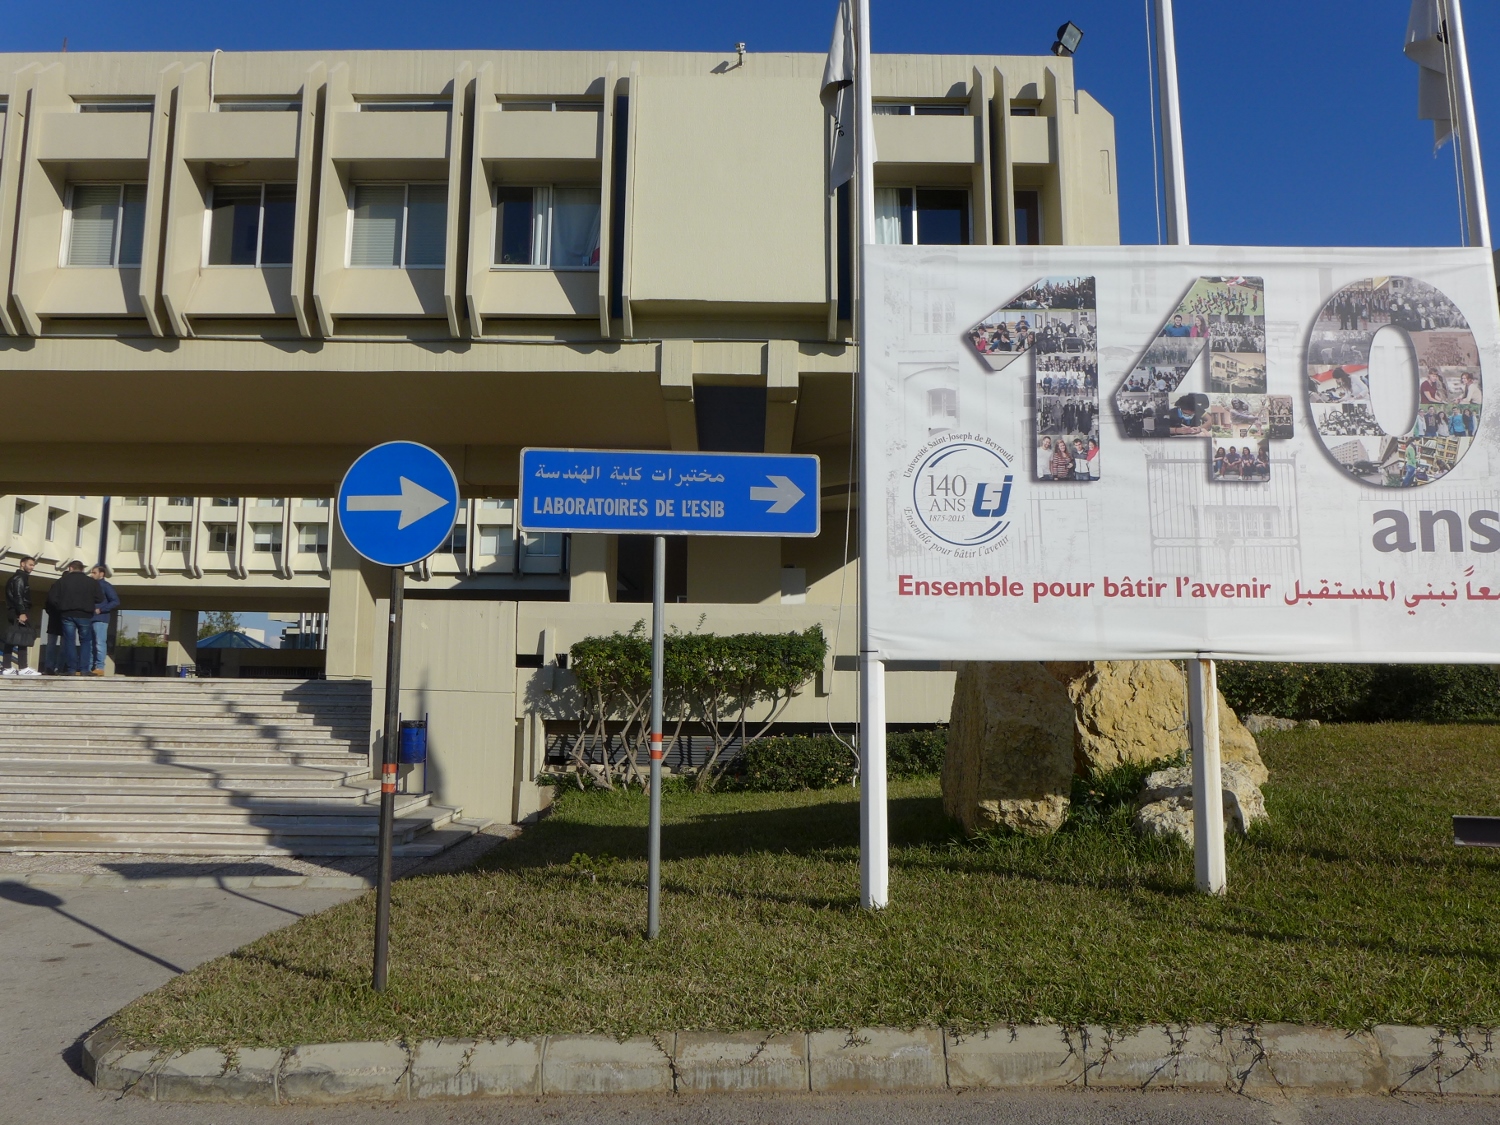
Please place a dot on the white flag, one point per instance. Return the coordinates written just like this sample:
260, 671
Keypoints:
1426, 45
838, 95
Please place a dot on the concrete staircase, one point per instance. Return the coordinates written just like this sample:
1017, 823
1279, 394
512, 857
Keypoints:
199, 767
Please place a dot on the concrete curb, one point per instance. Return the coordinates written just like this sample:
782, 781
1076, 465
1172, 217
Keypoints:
1253, 1059
204, 882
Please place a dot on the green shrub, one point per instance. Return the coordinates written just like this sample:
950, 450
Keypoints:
916, 753
1362, 692
782, 764
1106, 800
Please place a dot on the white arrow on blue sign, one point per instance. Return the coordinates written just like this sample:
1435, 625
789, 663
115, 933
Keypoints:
397, 503
626, 492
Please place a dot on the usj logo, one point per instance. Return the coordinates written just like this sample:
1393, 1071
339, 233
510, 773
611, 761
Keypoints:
961, 493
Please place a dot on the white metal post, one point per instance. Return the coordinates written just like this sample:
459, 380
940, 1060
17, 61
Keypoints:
874, 835
1203, 692
1171, 125
1468, 134
1208, 791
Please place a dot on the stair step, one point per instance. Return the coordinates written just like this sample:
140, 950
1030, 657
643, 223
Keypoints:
255, 812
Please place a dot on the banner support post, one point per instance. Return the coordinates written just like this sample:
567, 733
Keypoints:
874, 834
1208, 791
1203, 692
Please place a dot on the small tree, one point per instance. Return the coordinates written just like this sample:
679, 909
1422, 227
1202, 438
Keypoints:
718, 682
217, 621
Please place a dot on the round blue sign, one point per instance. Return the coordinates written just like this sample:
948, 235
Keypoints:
397, 503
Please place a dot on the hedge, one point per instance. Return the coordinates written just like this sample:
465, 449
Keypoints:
1366, 693
785, 763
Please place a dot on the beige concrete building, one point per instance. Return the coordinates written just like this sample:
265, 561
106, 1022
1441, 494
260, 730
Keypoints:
231, 274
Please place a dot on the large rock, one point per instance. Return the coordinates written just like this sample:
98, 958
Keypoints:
1166, 802
1135, 712
1019, 731
1010, 749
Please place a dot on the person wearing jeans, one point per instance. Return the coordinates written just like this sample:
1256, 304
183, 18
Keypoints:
74, 596
20, 630
108, 602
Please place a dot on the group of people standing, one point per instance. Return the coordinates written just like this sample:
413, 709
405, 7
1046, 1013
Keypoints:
79, 606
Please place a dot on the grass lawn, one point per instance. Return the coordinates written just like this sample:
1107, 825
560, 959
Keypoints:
1351, 907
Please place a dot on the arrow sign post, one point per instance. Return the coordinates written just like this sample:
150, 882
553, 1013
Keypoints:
645, 493
396, 506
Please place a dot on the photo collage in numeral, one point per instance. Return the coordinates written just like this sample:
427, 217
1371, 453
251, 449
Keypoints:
1227, 316
1055, 320
1449, 391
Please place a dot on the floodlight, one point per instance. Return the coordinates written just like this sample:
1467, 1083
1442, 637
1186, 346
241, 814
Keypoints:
1069, 35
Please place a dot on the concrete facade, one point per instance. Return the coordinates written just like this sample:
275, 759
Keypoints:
251, 267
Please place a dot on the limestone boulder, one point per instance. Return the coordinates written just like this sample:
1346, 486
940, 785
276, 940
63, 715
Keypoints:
1135, 712
1010, 749
1166, 802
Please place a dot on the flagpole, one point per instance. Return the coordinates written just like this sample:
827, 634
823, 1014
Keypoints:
1171, 125
1468, 133
874, 835
1203, 689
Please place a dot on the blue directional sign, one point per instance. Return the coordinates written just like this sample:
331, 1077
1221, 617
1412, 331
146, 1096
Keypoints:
397, 503
643, 493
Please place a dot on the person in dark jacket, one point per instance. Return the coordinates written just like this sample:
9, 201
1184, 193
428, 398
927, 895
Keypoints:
108, 602
74, 596
20, 622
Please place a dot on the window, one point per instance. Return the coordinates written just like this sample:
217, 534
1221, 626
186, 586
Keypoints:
403, 226
1028, 218
492, 505
266, 538
179, 501
52, 514
258, 105
176, 537
543, 105
407, 105
1025, 109
222, 537
83, 523
555, 227
117, 105
313, 502
130, 536
18, 521
457, 542
919, 109
106, 224
133, 501
543, 544
252, 224
312, 539
268, 502
922, 216
225, 502
494, 541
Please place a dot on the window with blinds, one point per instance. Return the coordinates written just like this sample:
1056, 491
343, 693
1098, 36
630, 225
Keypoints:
106, 224
399, 226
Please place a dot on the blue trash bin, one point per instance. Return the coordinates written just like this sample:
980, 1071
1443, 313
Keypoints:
413, 742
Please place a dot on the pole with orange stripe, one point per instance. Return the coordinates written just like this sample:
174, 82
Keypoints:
653, 842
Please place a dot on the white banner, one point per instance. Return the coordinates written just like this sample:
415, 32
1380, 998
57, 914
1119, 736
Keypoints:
1162, 451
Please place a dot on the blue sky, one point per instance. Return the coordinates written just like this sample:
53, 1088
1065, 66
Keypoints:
1300, 118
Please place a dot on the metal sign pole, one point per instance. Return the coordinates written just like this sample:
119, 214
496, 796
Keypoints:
390, 752
658, 645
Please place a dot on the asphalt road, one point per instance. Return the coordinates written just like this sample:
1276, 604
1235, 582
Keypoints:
72, 957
